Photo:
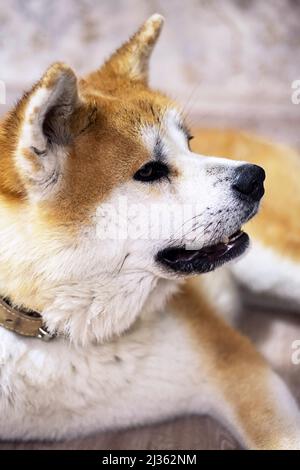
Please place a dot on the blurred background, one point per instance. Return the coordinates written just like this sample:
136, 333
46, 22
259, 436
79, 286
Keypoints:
231, 64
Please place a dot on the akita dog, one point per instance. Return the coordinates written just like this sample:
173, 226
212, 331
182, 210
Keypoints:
85, 165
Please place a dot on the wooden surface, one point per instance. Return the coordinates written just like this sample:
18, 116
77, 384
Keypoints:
186, 433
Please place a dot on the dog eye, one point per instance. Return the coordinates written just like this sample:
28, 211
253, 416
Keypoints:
152, 171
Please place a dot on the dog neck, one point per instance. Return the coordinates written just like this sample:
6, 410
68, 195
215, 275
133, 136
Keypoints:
98, 311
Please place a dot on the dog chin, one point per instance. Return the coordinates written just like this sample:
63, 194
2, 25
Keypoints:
179, 260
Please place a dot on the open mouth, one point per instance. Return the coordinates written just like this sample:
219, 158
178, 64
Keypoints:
206, 259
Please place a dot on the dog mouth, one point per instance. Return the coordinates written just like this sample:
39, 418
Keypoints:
181, 260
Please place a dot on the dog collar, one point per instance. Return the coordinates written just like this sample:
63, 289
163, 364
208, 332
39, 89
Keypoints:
23, 322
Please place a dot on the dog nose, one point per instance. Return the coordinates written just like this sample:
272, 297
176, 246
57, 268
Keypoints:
249, 181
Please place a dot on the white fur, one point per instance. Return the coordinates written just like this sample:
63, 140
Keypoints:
221, 291
54, 390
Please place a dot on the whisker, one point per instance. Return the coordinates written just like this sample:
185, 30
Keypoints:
188, 102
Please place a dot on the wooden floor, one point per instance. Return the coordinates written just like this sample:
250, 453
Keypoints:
186, 433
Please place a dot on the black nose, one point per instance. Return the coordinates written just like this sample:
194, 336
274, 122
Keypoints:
249, 181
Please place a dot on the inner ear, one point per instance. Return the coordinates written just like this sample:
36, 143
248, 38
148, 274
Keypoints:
47, 115
55, 112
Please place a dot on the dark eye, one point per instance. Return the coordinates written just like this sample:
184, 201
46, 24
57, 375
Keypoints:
152, 171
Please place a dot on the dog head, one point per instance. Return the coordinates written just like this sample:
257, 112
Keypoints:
99, 181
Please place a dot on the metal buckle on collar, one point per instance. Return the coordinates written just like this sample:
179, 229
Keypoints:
44, 335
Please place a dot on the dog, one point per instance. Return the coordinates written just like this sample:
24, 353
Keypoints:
104, 321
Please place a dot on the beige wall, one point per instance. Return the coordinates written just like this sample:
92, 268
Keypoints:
231, 63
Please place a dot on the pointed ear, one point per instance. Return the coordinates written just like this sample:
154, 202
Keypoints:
132, 59
46, 124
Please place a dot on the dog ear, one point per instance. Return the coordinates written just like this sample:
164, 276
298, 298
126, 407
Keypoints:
132, 59
45, 117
